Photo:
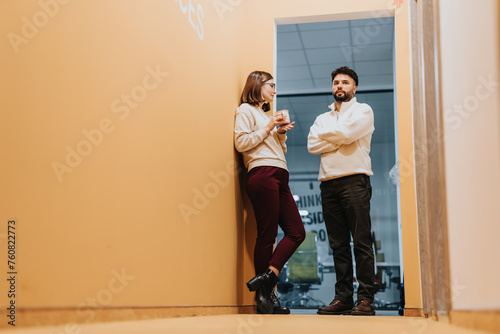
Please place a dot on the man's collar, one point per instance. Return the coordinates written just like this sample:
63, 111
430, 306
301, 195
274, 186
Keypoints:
344, 106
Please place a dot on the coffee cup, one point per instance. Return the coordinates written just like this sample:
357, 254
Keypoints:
286, 117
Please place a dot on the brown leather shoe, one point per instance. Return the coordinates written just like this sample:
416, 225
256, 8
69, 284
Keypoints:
363, 307
336, 307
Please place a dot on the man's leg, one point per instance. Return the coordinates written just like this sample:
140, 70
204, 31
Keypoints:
356, 203
339, 239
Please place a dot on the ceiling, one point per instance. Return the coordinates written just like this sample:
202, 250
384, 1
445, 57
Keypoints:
309, 52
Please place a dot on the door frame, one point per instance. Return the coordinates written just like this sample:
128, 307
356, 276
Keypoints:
403, 93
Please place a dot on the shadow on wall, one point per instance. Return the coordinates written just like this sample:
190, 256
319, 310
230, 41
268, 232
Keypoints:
246, 229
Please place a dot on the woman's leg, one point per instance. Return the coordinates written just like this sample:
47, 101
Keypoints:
290, 222
264, 193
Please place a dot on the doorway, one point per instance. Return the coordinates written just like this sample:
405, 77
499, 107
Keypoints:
306, 54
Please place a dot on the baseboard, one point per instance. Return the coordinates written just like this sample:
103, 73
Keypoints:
73, 316
479, 320
413, 312
443, 317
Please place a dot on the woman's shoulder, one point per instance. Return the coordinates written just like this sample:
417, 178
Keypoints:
246, 108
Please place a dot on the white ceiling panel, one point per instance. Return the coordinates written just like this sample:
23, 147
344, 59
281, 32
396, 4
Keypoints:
325, 56
374, 52
292, 58
372, 34
289, 41
324, 38
325, 83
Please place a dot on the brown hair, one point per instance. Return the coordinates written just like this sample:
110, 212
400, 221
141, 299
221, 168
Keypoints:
252, 92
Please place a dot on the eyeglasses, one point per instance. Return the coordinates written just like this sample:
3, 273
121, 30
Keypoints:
272, 84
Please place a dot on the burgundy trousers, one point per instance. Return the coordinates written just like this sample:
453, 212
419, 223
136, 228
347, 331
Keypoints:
273, 205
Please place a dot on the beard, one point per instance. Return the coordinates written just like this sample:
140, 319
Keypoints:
342, 98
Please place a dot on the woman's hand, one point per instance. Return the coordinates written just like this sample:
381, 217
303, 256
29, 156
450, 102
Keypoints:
275, 120
284, 128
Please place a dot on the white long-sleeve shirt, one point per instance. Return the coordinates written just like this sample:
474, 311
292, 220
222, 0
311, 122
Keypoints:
251, 139
343, 139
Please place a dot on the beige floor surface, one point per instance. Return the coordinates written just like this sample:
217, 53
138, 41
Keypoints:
259, 324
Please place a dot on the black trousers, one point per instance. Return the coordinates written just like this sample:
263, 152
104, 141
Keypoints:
346, 209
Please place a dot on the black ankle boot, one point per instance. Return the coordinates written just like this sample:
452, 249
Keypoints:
277, 308
263, 285
266, 278
264, 304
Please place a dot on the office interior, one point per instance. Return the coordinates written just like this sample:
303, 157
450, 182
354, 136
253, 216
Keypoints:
126, 198
305, 53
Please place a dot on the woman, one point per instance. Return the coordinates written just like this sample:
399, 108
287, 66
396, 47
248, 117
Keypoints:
263, 148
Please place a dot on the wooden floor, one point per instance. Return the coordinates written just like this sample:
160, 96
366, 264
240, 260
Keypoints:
256, 324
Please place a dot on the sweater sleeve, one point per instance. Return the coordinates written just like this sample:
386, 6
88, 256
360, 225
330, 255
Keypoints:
316, 145
347, 130
282, 137
244, 137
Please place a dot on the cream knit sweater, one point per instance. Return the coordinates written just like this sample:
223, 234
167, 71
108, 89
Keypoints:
343, 140
257, 146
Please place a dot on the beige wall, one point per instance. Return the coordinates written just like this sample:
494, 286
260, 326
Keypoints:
119, 207
470, 45
152, 193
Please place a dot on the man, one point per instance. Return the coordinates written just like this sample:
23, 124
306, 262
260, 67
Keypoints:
342, 137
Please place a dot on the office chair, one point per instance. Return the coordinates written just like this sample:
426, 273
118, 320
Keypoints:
302, 270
